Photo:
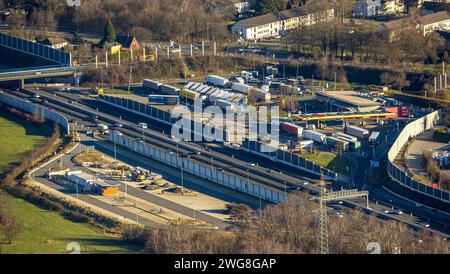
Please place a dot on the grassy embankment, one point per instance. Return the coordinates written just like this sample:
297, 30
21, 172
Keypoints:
331, 161
45, 231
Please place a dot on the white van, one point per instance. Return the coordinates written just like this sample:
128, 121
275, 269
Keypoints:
142, 125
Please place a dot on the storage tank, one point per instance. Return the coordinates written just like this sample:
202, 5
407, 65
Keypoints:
292, 129
216, 80
356, 131
170, 90
314, 135
164, 99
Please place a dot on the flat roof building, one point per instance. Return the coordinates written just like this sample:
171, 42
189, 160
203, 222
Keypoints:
347, 100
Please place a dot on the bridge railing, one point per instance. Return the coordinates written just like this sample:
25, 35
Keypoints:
31, 68
36, 49
400, 176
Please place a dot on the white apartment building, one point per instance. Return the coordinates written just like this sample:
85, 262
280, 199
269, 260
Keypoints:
274, 24
369, 8
241, 6
426, 24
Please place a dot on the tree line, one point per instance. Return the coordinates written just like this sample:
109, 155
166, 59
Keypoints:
181, 20
289, 228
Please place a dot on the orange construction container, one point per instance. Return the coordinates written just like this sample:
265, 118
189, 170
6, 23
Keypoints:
110, 191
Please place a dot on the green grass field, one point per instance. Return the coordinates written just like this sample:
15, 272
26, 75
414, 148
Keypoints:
17, 140
331, 161
45, 231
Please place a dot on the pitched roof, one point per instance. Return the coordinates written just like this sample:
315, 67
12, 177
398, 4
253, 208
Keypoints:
125, 40
53, 41
278, 16
423, 20
259, 20
434, 17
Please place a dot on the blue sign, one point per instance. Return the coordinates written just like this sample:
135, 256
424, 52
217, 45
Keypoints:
374, 164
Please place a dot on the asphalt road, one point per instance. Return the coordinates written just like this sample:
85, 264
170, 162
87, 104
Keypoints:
381, 195
39, 175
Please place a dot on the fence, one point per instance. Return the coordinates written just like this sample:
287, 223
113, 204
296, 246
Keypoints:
410, 131
290, 159
198, 169
252, 146
32, 108
36, 49
154, 113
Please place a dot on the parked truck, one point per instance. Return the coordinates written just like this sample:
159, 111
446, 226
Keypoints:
164, 99
373, 139
314, 135
356, 131
223, 104
292, 129
102, 127
260, 94
169, 90
344, 136
189, 94
241, 87
337, 143
151, 85
216, 80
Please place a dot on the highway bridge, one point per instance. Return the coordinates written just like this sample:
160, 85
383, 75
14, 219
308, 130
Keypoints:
37, 60
40, 72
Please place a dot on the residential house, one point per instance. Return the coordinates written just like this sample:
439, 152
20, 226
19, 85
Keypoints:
241, 6
435, 6
370, 8
128, 42
367, 8
56, 43
425, 24
275, 24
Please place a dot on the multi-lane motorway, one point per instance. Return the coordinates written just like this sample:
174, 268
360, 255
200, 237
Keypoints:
284, 178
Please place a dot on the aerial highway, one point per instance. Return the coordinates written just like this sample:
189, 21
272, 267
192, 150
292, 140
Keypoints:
233, 165
28, 73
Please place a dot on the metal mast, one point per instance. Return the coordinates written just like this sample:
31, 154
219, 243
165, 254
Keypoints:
328, 196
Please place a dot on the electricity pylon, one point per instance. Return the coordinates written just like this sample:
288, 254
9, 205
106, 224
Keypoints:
328, 196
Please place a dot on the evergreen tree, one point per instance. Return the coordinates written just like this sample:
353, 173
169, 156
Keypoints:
109, 34
266, 6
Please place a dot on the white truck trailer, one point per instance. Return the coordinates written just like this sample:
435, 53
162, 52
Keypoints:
314, 135
357, 131
216, 80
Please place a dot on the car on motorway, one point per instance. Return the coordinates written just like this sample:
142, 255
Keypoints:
118, 125
304, 182
338, 213
251, 164
93, 118
36, 95
393, 211
425, 224
72, 101
142, 125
